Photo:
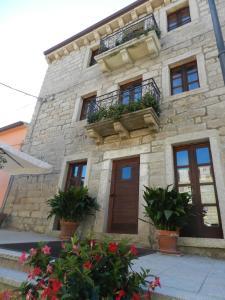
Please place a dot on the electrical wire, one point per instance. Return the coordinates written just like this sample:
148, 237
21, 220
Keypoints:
19, 91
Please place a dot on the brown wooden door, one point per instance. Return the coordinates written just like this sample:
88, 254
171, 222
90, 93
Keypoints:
124, 195
194, 173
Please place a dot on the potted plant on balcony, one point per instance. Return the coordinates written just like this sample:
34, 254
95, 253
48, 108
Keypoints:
169, 210
71, 207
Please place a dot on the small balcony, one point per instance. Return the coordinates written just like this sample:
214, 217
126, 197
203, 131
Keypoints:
122, 111
133, 42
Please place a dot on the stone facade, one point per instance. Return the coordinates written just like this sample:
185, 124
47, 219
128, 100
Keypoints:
57, 136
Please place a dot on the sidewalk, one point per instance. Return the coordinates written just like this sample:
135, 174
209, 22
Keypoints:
186, 277
11, 237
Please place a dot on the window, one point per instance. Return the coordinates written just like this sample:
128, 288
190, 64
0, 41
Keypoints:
194, 174
93, 54
87, 104
131, 91
76, 174
184, 78
178, 18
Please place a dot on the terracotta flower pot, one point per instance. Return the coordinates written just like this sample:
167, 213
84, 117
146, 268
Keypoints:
67, 229
168, 241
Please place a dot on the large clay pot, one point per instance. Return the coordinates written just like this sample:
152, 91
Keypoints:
168, 241
67, 229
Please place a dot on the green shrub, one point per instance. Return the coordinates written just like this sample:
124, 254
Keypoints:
167, 208
72, 205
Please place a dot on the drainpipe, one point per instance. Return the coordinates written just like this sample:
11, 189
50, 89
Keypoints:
218, 35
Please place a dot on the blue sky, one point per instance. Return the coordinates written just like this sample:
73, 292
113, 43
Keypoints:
27, 28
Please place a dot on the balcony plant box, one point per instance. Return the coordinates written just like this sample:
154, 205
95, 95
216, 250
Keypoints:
169, 210
72, 207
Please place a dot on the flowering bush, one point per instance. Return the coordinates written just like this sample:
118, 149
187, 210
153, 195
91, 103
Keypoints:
87, 270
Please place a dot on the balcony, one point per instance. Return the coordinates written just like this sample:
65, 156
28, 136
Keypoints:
122, 111
124, 47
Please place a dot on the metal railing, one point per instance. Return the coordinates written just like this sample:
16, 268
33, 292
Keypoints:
133, 30
127, 96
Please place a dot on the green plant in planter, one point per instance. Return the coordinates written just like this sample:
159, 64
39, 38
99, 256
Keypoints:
167, 208
98, 115
72, 205
115, 111
149, 101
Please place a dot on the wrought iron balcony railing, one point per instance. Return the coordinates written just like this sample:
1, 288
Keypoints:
135, 95
133, 30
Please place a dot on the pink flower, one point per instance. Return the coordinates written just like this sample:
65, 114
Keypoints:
6, 295
36, 272
46, 250
156, 282
113, 247
63, 245
75, 249
49, 269
33, 252
120, 294
23, 257
29, 295
133, 250
92, 243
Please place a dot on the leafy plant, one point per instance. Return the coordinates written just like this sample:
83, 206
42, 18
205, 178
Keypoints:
87, 270
72, 205
116, 111
167, 208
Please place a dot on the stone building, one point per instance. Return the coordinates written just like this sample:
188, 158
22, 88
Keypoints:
167, 50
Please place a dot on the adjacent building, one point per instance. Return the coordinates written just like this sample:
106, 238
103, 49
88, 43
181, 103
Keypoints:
136, 99
13, 135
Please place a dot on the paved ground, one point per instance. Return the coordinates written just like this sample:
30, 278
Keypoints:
187, 277
9, 237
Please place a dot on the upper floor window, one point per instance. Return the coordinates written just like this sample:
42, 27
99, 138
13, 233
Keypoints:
179, 18
184, 78
86, 105
131, 91
92, 59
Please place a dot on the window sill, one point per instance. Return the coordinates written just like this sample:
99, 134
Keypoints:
185, 94
178, 29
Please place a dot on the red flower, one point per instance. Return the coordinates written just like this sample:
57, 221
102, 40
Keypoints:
46, 292
46, 250
136, 296
120, 294
153, 284
113, 247
133, 250
56, 285
49, 269
97, 258
54, 297
147, 295
87, 265
23, 257
33, 252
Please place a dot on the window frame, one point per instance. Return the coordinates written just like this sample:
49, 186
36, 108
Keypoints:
178, 15
130, 87
85, 104
183, 70
92, 60
78, 180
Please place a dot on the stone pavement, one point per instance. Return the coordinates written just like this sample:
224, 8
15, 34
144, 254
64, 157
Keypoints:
11, 237
186, 277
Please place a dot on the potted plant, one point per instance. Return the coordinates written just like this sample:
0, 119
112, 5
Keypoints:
169, 210
72, 207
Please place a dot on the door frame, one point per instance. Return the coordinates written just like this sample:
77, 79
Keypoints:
216, 149
112, 189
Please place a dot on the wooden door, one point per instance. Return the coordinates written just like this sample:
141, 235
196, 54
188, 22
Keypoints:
124, 196
194, 174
